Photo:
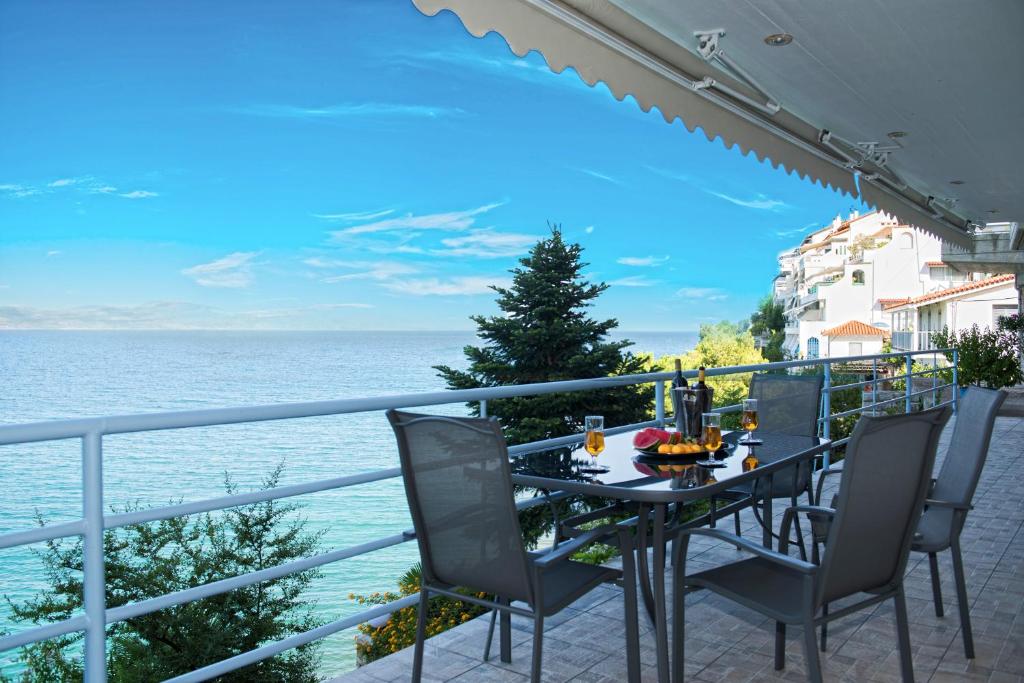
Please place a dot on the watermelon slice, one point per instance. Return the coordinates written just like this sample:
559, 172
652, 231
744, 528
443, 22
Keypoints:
646, 439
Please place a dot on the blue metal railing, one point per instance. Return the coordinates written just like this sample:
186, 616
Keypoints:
91, 431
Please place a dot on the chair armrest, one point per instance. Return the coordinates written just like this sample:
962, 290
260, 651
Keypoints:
837, 469
813, 509
934, 503
564, 550
755, 549
787, 521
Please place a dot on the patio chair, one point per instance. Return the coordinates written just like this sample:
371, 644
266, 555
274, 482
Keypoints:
786, 404
881, 496
458, 483
949, 499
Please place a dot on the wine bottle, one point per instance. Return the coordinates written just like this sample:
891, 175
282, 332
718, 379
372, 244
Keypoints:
678, 403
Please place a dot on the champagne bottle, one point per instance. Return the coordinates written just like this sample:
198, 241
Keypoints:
703, 400
678, 404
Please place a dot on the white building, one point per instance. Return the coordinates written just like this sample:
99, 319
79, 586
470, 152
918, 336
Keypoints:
978, 302
842, 286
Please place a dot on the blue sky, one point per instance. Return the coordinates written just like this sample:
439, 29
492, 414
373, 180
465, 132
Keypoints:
348, 165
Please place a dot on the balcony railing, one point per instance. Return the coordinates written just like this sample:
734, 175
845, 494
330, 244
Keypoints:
91, 432
913, 341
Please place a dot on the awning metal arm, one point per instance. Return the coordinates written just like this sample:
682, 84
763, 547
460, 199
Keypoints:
708, 47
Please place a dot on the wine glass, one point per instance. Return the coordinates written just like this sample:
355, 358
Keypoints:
749, 422
712, 438
594, 441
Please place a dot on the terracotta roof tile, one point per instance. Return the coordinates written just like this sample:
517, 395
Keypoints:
854, 328
935, 264
966, 287
893, 302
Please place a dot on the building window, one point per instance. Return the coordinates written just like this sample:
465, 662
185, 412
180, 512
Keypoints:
940, 273
858, 277
856, 349
1001, 311
906, 241
812, 347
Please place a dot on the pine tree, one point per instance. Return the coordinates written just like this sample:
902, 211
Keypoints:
545, 335
147, 560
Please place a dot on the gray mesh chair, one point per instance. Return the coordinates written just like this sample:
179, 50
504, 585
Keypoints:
458, 485
786, 404
949, 499
881, 496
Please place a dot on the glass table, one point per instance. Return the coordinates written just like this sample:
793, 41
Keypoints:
660, 488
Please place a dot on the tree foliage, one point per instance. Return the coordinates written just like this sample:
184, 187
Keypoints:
546, 335
148, 560
986, 357
769, 323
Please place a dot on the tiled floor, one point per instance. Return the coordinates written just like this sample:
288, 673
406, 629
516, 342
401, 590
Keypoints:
724, 642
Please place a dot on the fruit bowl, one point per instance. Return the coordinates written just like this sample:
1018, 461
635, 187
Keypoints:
653, 441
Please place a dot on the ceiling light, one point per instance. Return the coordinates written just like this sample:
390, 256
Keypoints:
956, 182
778, 39
896, 134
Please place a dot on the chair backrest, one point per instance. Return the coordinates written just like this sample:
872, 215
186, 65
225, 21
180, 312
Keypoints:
885, 479
787, 404
458, 484
968, 447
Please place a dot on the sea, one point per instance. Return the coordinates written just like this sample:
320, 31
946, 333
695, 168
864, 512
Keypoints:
52, 375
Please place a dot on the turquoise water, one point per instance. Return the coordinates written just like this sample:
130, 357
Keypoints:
54, 375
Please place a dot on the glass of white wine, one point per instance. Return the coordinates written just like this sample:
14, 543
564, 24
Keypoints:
749, 422
594, 441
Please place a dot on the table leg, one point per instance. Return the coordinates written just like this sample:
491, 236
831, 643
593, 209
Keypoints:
643, 570
766, 511
660, 617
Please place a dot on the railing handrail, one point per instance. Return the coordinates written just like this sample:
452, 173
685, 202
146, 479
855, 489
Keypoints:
53, 430
93, 522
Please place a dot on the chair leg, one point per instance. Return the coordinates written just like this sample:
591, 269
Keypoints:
736, 523
538, 644
799, 531
961, 599
780, 646
933, 564
903, 636
630, 604
824, 627
811, 653
421, 634
490, 635
678, 612
505, 636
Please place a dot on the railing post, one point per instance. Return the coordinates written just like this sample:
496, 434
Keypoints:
93, 581
874, 384
659, 403
935, 379
483, 408
956, 380
910, 380
826, 409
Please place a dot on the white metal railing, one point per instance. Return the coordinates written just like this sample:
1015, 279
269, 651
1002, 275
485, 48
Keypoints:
903, 340
91, 431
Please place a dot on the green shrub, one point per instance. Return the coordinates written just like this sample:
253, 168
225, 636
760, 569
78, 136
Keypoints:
986, 357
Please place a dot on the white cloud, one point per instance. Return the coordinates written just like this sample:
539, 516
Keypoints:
600, 176
795, 231
642, 260
633, 281
348, 110
487, 244
64, 182
450, 221
356, 215
233, 271
760, 202
175, 315
589, 229
138, 194
54, 252
456, 286
19, 190
366, 270
86, 184
672, 175
704, 293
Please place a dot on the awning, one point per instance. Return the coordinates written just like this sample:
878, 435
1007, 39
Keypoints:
823, 105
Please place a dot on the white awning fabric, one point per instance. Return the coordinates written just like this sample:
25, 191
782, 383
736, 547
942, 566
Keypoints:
604, 42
